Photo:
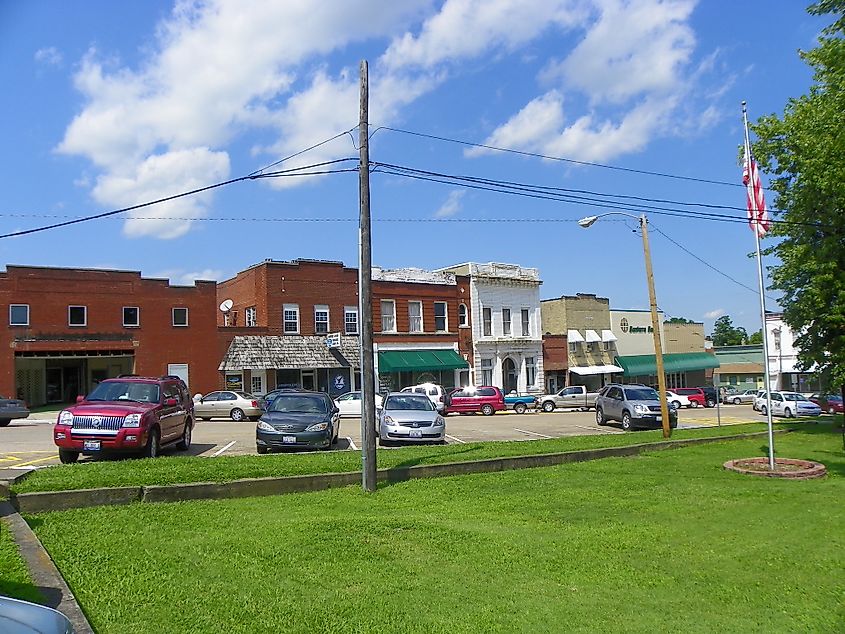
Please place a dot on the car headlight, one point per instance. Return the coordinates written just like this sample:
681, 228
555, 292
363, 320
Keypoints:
641, 409
132, 420
263, 425
439, 422
389, 421
66, 418
317, 427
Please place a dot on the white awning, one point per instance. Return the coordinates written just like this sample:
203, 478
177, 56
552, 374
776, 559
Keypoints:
573, 336
595, 369
607, 335
593, 336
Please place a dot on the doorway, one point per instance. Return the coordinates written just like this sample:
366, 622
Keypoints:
308, 379
510, 376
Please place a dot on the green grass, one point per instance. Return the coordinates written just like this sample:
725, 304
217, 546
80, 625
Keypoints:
14, 576
175, 469
667, 541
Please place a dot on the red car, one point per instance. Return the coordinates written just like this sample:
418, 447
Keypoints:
485, 399
696, 395
127, 414
830, 403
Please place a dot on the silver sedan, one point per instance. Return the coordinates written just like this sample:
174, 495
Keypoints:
411, 418
227, 404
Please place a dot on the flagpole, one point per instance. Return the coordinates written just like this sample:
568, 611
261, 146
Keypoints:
756, 228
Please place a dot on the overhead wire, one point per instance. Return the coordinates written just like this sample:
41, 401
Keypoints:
308, 149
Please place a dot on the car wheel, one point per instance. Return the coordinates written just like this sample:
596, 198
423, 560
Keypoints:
763, 410
626, 422
261, 449
519, 408
737, 401
237, 415
711, 403
677, 404
68, 457
5, 422
153, 445
487, 409
185, 443
384, 442
830, 410
599, 417
787, 412
693, 403
548, 406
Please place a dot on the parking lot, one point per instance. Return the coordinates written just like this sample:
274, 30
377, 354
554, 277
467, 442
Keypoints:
28, 443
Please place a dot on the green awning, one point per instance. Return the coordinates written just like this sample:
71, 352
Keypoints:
646, 364
419, 361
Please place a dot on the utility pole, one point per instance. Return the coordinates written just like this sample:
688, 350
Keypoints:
365, 295
655, 325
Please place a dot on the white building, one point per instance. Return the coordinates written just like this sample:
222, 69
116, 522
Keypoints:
783, 359
507, 334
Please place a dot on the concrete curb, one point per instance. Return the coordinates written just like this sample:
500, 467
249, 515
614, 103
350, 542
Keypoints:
64, 500
43, 571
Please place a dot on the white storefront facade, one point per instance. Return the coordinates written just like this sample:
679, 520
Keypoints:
783, 359
506, 325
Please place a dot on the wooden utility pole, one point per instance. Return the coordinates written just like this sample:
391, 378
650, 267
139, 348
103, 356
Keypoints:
655, 325
365, 295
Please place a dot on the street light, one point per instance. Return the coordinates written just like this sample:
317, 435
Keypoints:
655, 323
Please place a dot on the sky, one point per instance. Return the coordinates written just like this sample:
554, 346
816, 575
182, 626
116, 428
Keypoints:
111, 105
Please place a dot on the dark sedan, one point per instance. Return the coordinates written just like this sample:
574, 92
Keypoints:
303, 420
11, 408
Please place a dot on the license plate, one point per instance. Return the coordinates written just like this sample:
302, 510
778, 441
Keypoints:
91, 445
416, 433
289, 440
659, 419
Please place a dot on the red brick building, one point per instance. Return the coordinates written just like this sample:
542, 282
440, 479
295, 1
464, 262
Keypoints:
68, 328
421, 325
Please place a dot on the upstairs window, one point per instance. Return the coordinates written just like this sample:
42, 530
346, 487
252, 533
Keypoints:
180, 316
350, 320
441, 320
321, 319
19, 315
415, 322
131, 316
388, 315
506, 322
463, 316
290, 318
250, 317
487, 321
77, 315
526, 323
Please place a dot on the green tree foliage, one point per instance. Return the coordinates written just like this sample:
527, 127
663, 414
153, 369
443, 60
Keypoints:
802, 151
679, 320
725, 334
755, 338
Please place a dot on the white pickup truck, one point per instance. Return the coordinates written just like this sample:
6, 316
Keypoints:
574, 396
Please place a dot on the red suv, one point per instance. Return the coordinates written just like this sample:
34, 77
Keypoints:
696, 395
485, 399
127, 414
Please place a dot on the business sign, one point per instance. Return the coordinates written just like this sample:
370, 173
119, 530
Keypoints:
234, 382
333, 340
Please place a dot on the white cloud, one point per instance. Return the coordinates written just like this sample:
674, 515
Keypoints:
180, 277
715, 314
452, 204
49, 56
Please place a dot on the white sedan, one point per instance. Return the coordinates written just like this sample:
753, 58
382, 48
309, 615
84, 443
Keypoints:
678, 400
349, 404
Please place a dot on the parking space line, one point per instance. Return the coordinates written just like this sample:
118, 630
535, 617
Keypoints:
222, 449
604, 431
32, 462
352, 445
532, 433
455, 439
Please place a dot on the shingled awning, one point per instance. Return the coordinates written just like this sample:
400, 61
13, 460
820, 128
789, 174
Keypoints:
274, 352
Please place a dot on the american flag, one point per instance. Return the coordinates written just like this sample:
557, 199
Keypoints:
758, 216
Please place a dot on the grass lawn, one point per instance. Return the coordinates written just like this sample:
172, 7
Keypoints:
173, 469
14, 577
664, 542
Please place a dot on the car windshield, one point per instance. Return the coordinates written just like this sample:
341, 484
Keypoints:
834, 397
125, 391
793, 396
408, 401
641, 394
299, 404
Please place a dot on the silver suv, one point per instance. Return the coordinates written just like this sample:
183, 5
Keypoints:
633, 405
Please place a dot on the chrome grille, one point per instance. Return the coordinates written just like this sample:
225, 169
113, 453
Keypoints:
414, 424
654, 408
98, 423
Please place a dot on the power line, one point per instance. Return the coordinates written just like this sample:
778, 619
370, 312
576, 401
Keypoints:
557, 158
308, 149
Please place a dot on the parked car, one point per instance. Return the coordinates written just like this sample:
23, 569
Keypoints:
678, 400
696, 395
436, 393
574, 396
633, 405
738, 398
264, 401
411, 417
23, 617
520, 403
830, 403
759, 399
349, 404
10, 409
791, 404
299, 419
227, 404
128, 414
711, 395
485, 399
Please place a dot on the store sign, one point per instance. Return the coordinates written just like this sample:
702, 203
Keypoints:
234, 382
333, 340
639, 330
339, 383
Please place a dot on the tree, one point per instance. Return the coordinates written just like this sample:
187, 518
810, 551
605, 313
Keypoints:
755, 338
725, 334
678, 320
802, 152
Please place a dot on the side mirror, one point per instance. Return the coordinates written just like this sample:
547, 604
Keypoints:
170, 402
79, 399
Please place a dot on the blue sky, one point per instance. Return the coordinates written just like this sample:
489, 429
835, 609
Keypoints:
109, 105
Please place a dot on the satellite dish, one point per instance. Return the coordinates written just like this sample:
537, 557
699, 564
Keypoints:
226, 305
